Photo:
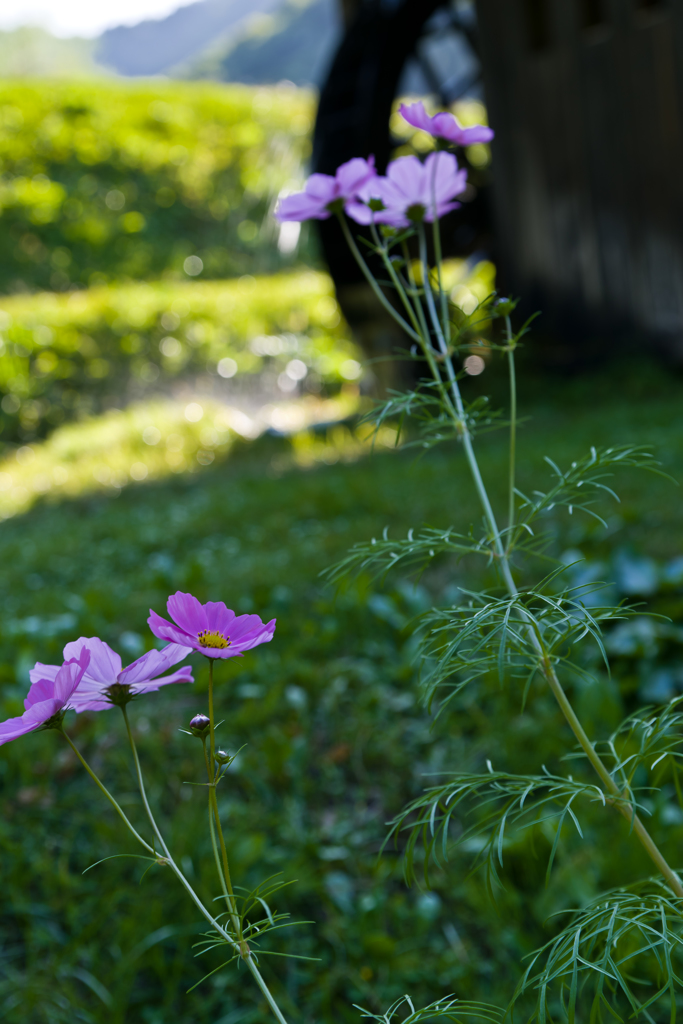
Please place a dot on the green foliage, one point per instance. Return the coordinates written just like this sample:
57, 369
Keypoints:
517, 802
493, 633
629, 944
377, 557
73, 355
103, 180
527, 632
336, 741
252, 926
448, 1008
581, 486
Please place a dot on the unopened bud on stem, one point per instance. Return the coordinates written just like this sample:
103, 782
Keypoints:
199, 726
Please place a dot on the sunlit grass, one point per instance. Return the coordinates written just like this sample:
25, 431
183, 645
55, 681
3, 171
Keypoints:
153, 440
68, 355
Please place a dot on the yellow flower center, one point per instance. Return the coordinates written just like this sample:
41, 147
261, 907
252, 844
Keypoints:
212, 638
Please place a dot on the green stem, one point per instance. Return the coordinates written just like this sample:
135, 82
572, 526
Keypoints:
411, 302
411, 296
214, 845
167, 854
513, 433
503, 561
224, 870
106, 792
461, 422
213, 802
217, 857
264, 989
591, 753
212, 737
168, 859
429, 296
436, 234
410, 331
428, 350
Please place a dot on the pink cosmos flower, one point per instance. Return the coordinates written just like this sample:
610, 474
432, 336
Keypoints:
325, 194
105, 683
368, 206
413, 191
445, 126
49, 695
210, 628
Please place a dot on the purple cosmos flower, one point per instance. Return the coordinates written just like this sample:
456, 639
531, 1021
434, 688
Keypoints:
49, 696
367, 207
414, 191
325, 194
210, 628
445, 126
106, 683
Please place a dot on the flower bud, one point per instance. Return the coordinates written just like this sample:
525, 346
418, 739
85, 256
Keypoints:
199, 726
222, 757
504, 307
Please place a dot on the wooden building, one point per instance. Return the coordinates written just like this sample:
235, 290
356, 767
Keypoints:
586, 97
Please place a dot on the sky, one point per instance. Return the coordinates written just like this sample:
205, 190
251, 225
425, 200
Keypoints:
82, 17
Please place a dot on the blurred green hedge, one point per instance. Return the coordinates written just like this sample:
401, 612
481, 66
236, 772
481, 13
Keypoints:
103, 180
69, 355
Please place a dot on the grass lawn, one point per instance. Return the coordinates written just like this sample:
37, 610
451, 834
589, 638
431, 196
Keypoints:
336, 739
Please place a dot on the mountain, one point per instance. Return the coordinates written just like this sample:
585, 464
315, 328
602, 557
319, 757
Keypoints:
153, 46
295, 41
258, 42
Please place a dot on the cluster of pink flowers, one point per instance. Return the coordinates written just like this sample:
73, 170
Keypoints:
92, 677
410, 192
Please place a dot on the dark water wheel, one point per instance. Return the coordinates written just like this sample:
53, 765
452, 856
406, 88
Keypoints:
417, 46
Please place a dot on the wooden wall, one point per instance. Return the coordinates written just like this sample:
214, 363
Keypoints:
586, 97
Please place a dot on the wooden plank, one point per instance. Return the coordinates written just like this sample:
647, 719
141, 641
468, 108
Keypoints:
588, 158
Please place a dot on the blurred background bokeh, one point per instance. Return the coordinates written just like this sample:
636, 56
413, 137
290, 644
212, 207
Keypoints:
181, 380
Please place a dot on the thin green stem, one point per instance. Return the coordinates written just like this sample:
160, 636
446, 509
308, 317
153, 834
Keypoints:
503, 561
224, 856
513, 432
607, 780
429, 296
436, 237
410, 331
213, 802
443, 298
461, 422
413, 309
167, 859
224, 869
264, 989
427, 347
419, 308
217, 857
212, 833
106, 792
141, 784
167, 854
212, 737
